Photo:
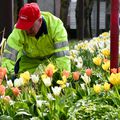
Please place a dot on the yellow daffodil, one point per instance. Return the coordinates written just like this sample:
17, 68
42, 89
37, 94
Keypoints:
62, 82
25, 76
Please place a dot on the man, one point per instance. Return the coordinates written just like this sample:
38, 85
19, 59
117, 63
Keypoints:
36, 37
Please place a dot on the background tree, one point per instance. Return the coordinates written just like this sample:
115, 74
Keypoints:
64, 11
83, 13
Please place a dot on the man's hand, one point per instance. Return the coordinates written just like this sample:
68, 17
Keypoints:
3, 72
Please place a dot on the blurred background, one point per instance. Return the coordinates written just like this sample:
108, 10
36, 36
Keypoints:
83, 19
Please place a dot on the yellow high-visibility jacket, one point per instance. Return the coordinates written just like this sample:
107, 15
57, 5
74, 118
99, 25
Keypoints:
29, 50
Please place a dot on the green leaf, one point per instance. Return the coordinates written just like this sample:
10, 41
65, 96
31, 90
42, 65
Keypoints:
5, 117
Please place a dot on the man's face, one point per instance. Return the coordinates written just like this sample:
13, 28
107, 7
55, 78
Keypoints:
35, 28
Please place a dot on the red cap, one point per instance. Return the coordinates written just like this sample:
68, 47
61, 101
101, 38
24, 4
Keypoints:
28, 14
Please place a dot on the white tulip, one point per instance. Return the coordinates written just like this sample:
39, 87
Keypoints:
9, 83
18, 82
50, 97
56, 90
47, 81
86, 78
35, 78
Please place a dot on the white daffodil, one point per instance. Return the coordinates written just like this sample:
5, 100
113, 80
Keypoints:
56, 90
9, 83
18, 82
50, 97
35, 78
86, 78
47, 81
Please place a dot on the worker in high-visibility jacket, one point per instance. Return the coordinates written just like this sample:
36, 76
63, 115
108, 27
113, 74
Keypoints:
37, 36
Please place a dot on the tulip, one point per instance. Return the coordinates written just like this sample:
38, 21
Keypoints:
113, 70
106, 86
76, 75
2, 90
97, 61
88, 72
49, 72
97, 88
4, 70
119, 70
35, 78
6, 99
15, 91
25, 76
66, 73
56, 90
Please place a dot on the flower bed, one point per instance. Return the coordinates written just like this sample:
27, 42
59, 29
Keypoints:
87, 92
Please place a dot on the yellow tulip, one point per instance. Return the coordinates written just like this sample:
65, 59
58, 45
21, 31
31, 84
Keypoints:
97, 88
106, 86
106, 52
25, 76
115, 79
97, 61
106, 65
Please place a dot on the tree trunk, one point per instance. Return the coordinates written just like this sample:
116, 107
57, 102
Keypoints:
87, 16
83, 18
64, 11
80, 19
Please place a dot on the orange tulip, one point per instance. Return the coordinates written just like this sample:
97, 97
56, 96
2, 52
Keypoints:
119, 70
15, 91
4, 70
88, 72
76, 75
65, 73
6, 99
49, 72
2, 90
113, 70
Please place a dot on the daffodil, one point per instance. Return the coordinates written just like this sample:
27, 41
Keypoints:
62, 82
